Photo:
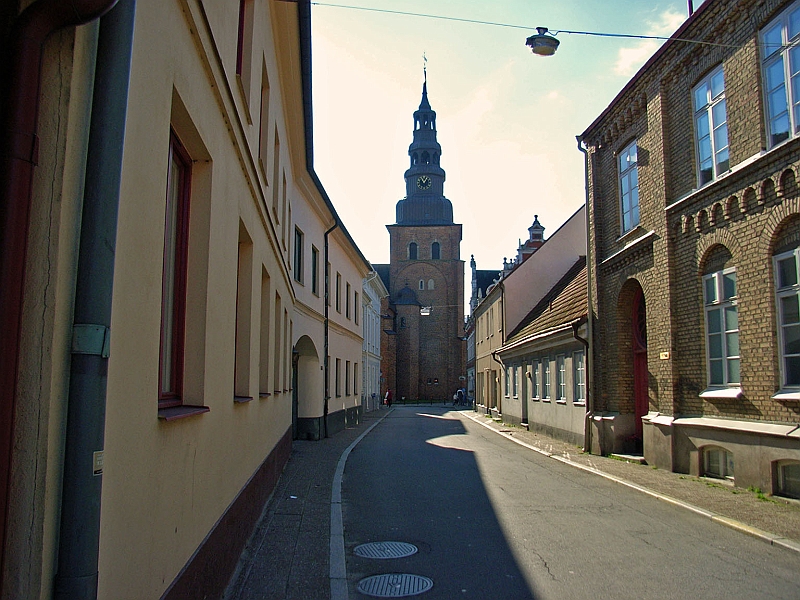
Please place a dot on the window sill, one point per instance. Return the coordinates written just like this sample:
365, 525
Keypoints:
173, 413
546, 400
579, 403
242, 399
731, 393
787, 394
263, 395
561, 402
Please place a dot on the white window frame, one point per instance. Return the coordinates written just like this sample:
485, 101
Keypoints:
724, 462
579, 377
507, 373
779, 50
546, 380
711, 127
725, 305
628, 179
515, 381
536, 381
561, 379
785, 291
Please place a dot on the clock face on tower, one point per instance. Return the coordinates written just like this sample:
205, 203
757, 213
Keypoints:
424, 182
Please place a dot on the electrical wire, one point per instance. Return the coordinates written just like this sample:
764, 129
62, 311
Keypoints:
555, 32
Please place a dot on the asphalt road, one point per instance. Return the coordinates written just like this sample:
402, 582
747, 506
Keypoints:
492, 519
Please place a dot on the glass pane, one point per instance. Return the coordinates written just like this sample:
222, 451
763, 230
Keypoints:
731, 318
635, 215
706, 173
723, 162
635, 178
715, 373
790, 312
704, 149
777, 104
794, 23
711, 290
718, 113
732, 341
787, 272
794, 63
790, 480
772, 39
791, 339
715, 346
775, 75
721, 137
626, 185
792, 374
701, 97
729, 285
717, 84
703, 127
714, 321
633, 152
733, 370
713, 462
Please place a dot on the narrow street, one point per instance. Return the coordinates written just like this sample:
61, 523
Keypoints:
492, 519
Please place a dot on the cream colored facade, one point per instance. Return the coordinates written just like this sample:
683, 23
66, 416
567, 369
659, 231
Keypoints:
176, 493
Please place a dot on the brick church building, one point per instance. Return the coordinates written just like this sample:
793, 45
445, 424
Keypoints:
423, 349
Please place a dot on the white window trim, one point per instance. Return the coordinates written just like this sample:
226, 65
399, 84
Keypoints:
546, 389
536, 381
720, 305
561, 379
576, 362
621, 175
787, 392
783, 56
708, 111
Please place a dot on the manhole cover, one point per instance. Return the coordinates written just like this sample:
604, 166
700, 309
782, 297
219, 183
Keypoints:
394, 585
385, 550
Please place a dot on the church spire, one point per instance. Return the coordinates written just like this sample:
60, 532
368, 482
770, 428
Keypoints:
424, 104
424, 203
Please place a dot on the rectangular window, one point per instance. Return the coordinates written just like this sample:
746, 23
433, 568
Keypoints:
338, 387
711, 127
561, 379
579, 376
355, 379
278, 352
787, 284
507, 371
244, 300
781, 73
298, 255
314, 271
546, 380
515, 381
536, 384
347, 301
173, 283
355, 308
244, 47
347, 378
264, 359
338, 292
722, 328
629, 187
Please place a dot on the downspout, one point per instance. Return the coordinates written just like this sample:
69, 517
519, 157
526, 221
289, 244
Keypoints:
324, 433
18, 157
501, 283
79, 543
589, 417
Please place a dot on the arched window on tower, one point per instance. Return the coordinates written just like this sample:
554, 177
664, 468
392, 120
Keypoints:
414, 159
436, 158
430, 284
412, 251
435, 251
426, 158
422, 284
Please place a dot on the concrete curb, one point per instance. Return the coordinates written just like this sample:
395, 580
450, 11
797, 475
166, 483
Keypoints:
338, 560
770, 538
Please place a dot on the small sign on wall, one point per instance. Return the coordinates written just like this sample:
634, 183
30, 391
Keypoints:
664, 356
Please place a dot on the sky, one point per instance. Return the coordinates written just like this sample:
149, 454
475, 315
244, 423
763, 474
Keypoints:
506, 118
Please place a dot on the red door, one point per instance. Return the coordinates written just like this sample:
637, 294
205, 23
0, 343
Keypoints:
640, 374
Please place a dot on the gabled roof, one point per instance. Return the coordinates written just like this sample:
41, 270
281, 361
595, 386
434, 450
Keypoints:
486, 277
383, 271
565, 302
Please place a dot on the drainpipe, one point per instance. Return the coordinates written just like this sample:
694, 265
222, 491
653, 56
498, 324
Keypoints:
18, 157
587, 424
79, 542
327, 335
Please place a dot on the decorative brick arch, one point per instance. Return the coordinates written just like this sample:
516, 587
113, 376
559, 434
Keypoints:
721, 237
787, 184
776, 219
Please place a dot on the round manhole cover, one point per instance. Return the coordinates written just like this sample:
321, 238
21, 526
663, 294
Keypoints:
385, 550
394, 585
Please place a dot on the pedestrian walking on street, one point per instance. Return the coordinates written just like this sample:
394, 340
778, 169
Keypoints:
388, 398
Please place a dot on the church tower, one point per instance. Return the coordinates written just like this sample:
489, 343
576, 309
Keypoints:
425, 276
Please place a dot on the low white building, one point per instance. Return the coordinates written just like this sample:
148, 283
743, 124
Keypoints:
373, 290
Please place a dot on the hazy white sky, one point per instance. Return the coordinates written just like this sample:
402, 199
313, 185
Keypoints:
506, 119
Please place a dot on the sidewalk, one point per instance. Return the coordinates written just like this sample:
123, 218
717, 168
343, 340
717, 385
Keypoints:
288, 555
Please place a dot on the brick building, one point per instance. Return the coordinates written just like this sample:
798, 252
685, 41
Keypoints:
424, 347
694, 235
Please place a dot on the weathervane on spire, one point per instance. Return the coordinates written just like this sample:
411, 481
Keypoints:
425, 67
